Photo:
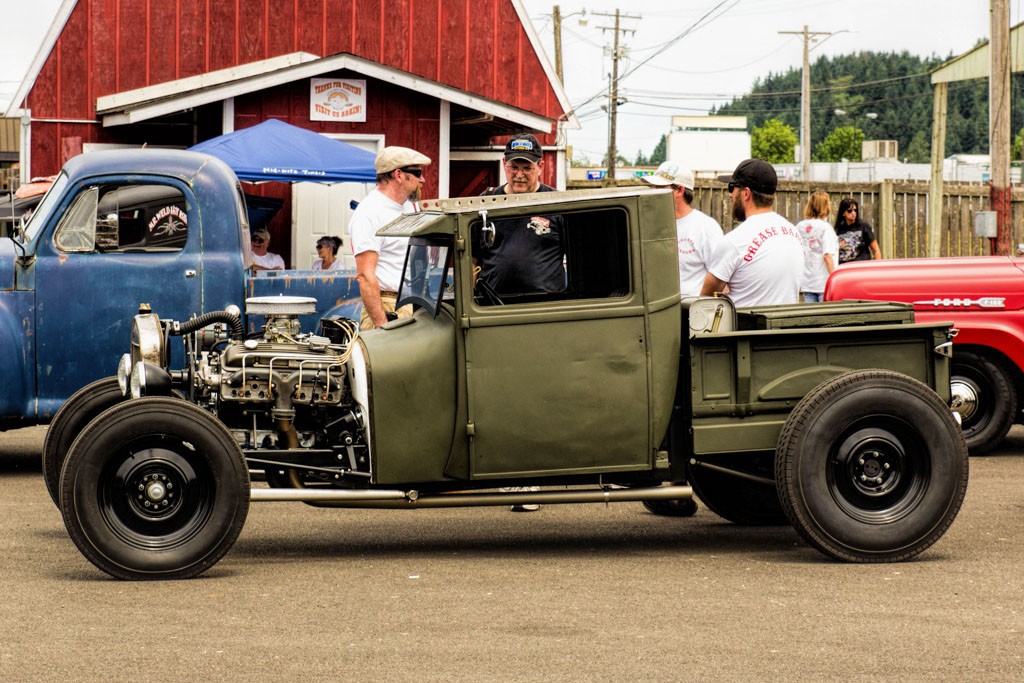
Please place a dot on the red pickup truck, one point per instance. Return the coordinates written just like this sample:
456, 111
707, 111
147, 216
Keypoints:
984, 297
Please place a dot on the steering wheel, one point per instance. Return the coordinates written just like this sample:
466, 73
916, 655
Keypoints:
486, 295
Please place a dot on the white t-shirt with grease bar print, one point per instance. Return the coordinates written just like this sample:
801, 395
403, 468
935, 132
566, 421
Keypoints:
762, 259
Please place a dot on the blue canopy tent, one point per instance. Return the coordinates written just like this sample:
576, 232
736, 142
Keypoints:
275, 150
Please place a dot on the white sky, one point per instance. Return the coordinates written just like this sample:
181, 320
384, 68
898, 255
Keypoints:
736, 43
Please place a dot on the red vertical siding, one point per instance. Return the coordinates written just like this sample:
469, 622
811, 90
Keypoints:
102, 48
367, 27
310, 34
163, 42
108, 46
281, 33
220, 36
480, 75
506, 58
428, 39
452, 61
132, 51
338, 25
73, 82
396, 34
251, 30
192, 42
43, 99
468, 44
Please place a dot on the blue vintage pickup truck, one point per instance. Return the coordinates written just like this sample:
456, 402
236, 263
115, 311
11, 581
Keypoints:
164, 227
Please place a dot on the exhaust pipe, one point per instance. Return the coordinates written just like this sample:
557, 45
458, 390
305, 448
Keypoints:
410, 500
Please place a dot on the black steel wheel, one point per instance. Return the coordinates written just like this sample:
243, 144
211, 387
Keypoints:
69, 421
871, 467
984, 396
749, 500
154, 488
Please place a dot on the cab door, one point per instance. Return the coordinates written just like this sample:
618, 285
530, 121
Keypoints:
559, 384
116, 244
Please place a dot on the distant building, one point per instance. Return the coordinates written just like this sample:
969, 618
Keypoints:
959, 168
708, 143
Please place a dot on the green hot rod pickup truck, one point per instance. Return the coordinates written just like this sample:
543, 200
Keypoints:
833, 417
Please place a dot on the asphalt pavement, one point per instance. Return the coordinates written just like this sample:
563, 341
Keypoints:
568, 593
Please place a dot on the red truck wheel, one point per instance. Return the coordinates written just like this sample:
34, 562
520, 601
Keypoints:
871, 467
154, 488
983, 394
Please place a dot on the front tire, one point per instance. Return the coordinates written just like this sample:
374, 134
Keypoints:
871, 467
154, 488
69, 421
984, 396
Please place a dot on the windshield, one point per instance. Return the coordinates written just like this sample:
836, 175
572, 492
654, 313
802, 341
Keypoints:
243, 220
39, 216
426, 278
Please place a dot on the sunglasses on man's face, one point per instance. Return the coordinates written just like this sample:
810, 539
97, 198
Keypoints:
734, 186
258, 240
418, 172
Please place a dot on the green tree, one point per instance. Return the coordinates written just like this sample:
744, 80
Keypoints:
841, 143
1015, 148
774, 142
918, 151
658, 156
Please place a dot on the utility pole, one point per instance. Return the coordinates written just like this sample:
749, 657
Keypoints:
999, 123
805, 99
556, 19
613, 87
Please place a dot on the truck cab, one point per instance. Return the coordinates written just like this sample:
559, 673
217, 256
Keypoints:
103, 238
117, 228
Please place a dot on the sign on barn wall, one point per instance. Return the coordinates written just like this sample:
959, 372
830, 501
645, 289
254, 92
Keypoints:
337, 99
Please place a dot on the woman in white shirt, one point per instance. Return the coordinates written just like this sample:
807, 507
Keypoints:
327, 250
821, 248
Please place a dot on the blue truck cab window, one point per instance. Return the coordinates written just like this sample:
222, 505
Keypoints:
129, 218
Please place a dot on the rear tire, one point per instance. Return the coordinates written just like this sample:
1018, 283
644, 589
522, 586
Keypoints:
69, 421
735, 498
154, 488
984, 395
871, 467
671, 508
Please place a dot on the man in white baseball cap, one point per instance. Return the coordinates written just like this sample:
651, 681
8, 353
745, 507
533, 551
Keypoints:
697, 233
379, 260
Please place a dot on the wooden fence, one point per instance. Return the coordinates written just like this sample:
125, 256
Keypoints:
897, 209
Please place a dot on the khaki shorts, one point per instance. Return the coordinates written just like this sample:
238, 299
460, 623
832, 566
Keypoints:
387, 302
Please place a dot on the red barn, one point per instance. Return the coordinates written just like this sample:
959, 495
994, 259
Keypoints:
446, 77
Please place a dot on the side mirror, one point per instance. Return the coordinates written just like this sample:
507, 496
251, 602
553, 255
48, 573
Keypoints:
487, 231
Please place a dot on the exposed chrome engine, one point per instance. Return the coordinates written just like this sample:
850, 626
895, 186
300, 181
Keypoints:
285, 395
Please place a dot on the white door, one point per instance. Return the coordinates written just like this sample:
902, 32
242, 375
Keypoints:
320, 210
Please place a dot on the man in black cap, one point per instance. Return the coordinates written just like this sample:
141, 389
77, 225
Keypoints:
525, 255
761, 259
